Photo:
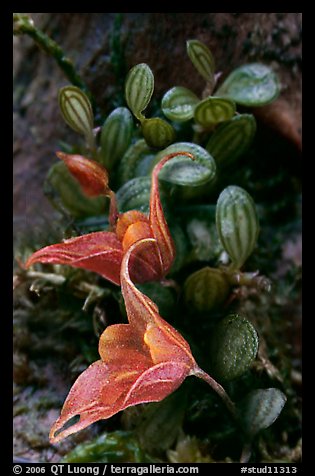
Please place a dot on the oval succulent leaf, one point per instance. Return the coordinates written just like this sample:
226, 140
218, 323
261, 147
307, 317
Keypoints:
185, 172
201, 57
214, 110
139, 89
178, 104
135, 195
157, 133
70, 193
129, 164
234, 345
116, 136
260, 408
232, 139
237, 223
76, 110
252, 84
206, 289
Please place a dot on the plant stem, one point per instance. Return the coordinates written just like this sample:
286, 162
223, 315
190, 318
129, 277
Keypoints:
23, 24
217, 388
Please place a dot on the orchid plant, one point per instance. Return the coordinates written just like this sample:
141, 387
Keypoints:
147, 359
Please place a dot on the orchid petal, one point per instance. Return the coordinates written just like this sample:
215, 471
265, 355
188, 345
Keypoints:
164, 342
157, 219
126, 377
100, 252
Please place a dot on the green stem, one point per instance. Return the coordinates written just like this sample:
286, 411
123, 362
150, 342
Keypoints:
217, 388
23, 24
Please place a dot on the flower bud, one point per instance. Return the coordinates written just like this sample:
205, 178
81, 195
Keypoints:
92, 177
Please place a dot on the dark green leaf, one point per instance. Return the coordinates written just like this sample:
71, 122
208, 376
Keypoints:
116, 136
178, 104
260, 408
234, 345
252, 84
237, 223
201, 57
135, 195
157, 133
76, 110
232, 139
188, 175
214, 110
139, 89
129, 166
206, 289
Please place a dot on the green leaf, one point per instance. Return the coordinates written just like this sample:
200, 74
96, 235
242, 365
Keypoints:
214, 110
232, 139
234, 345
130, 164
178, 104
139, 89
157, 133
134, 195
237, 223
69, 192
206, 289
190, 177
180, 241
252, 84
116, 136
77, 111
161, 423
260, 408
201, 57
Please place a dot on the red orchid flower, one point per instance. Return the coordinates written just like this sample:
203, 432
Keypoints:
143, 361
102, 251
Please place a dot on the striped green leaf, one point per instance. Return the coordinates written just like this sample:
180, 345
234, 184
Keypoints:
116, 136
237, 223
157, 133
59, 180
232, 139
234, 346
134, 195
214, 110
77, 111
260, 408
178, 104
139, 89
206, 289
185, 177
129, 166
201, 57
252, 84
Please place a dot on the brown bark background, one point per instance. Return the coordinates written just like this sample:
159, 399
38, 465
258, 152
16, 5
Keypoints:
158, 39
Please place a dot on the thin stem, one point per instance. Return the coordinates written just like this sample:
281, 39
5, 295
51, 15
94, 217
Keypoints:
217, 388
23, 24
238, 278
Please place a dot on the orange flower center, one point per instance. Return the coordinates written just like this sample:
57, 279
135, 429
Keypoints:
131, 227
